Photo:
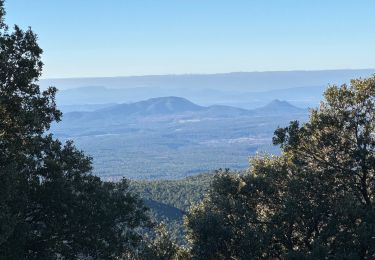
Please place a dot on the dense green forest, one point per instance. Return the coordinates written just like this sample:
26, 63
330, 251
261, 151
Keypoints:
170, 200
181, 193
316, 200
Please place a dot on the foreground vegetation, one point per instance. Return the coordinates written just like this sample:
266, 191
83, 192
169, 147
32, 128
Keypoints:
314, 201
170, 200
50, 205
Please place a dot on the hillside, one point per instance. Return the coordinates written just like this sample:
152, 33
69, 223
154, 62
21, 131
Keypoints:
172, 106
170, 199
171, 137
247, 90
181, 193
153, 106
278, 107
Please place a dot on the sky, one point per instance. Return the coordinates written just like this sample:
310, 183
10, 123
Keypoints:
95, 38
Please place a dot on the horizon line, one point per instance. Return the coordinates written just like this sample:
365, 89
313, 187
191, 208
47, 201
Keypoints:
204, 74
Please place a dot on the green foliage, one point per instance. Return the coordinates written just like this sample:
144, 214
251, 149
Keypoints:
222, 226
314, 201
169, 200
51, 207
180, 193
158, 245
161, 247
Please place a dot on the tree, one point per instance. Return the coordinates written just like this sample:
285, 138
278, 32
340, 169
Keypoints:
50, 205
335, 154
161, 246
229, 223
314, 201
158, 245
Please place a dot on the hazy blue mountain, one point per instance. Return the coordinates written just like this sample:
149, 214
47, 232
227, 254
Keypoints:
309, 96
225, 111
101, 95
84, 107
161, 106
276, 107
171, 137
244, 90
170, 107
247, 90
153, 106
86, 98
248, 81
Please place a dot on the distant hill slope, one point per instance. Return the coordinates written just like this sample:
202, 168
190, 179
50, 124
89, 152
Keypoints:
219, 110
278, 107
181, 193
164, 211
169, 200
241, 89
171, 137
173, 106
153, 106
248, 99
161, 106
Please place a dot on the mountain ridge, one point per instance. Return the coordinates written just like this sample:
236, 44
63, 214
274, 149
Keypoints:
173, 106
159, 105
176, 105
277, 106
153, 138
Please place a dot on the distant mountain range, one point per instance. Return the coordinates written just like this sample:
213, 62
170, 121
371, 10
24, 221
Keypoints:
172, 107
170, 137
243, 89
154, 106
198, 123
278, 107
87, 98
248, 81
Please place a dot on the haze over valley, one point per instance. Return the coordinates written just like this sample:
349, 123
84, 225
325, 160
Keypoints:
170, 127
187, 130
170, 137
241, 89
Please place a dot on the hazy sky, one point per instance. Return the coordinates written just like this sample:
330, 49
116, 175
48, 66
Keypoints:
138, 37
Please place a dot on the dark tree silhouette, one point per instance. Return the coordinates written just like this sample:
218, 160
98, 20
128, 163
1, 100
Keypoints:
50, 205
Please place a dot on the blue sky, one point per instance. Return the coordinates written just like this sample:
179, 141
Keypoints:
83, 38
